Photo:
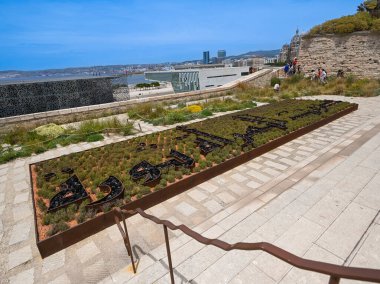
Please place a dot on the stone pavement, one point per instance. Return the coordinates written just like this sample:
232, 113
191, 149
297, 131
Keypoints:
315, 196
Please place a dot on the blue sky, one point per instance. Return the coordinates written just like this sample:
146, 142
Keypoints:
56, 34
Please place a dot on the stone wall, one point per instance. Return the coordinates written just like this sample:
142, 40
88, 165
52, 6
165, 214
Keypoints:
63, 116
357, 53
24, 98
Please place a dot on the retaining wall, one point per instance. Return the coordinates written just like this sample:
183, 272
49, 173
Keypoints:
357, 53
35, 97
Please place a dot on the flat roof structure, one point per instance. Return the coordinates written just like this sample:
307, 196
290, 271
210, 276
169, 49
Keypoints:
316, 196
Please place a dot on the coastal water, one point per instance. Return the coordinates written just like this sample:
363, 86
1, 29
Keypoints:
132, 79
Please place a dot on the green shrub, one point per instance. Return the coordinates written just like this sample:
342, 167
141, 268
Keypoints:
41, 204
56, 228
361, 21
206, 112
94, 137
376, 25
274, 81
50, 130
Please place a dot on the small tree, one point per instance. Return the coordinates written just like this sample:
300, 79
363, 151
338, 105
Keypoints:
370, 6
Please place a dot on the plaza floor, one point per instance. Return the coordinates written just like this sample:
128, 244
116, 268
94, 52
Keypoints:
316, 196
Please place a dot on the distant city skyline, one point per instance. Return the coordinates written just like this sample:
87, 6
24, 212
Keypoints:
45, 34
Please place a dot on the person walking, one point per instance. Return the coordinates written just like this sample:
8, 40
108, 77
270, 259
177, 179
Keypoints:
286, 69
323, 76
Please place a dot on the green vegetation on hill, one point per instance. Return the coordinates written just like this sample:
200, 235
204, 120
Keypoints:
361, 21
298, 85
366, 19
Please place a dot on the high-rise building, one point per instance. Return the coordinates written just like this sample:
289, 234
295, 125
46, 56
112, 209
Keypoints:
221, 53
206, 57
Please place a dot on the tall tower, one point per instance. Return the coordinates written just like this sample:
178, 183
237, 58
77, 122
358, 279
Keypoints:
206, 57
221, 55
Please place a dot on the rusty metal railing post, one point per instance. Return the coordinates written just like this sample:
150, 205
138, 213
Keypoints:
125, 235
169, 254
334, 280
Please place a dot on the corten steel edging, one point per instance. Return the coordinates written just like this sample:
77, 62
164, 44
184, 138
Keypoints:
73, 235
336, 271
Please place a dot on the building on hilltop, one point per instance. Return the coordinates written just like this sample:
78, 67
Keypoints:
200, 77
289, 51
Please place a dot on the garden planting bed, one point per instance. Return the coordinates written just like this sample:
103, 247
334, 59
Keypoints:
74, 194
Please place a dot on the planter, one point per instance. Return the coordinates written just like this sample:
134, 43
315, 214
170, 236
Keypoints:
75, 234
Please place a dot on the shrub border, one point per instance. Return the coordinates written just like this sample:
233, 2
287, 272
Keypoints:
86, 229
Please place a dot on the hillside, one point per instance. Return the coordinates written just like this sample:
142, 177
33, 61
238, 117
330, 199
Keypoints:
361, 21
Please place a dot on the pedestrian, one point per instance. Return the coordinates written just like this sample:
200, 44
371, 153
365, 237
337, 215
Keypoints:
323, 76
319, 72
286, 69
276, 87
295, 62
291, 70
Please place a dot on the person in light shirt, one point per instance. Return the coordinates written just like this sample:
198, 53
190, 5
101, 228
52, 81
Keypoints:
276, 87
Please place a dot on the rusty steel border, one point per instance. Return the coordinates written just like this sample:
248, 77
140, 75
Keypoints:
73, 235
336, 272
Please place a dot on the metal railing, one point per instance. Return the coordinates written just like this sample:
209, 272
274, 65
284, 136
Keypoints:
336, 272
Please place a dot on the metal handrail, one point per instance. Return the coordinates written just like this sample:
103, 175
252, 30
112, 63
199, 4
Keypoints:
336, 272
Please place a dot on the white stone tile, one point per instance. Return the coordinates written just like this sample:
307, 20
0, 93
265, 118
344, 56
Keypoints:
276, 165
62, 279
238, 177
253, 184
20, 232
282, 153
185, 208
251, 274
24, 277
23, 185
258, 175
213, 206
368, 255
19, 256
226, 197
254, 165
303, 276
270, 156
209, 187
53, 262
348, 229
158, 210
87, 251
271, 172
22, 197
95, 272
21, 211
288, 161
197, 195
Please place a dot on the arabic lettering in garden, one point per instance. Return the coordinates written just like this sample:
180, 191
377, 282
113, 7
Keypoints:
152, 173
72, 191
323, 106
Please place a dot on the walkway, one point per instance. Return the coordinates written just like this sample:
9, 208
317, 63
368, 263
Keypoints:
316, 196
